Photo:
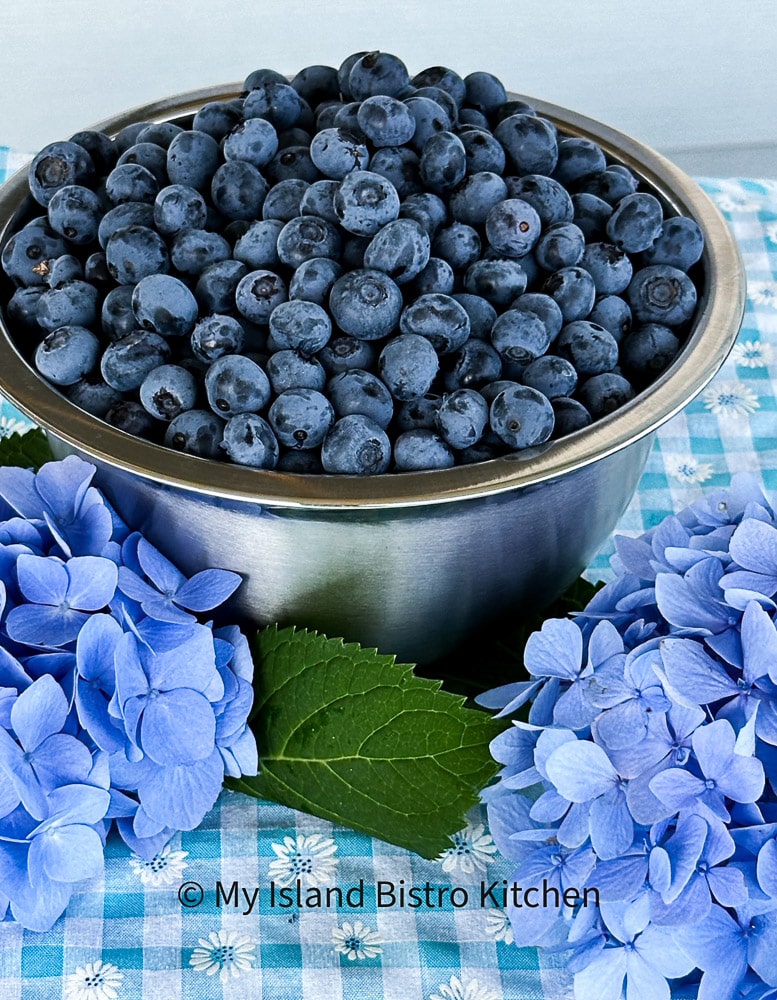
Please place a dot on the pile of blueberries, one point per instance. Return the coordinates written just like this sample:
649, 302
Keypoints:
353, 272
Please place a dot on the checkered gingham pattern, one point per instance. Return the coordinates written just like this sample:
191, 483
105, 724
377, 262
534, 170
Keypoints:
126, 936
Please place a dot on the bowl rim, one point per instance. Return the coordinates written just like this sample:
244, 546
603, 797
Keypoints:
711, 338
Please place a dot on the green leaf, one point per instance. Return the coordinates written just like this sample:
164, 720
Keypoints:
352, 736
29, 451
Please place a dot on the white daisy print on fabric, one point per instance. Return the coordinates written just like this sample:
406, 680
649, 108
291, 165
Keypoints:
731, 198
458, 990
473, 849
309, 859
752, 354
730, 399
687, 469
164, 868
94, 981
498, 925
224, 953
12, 425
356, 941
763, 293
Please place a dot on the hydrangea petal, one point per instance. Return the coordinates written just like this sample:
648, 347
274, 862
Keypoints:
612, 829
676, 787
622, 726
180, 796
95, 650
42, 580
92, 582
17, 488
603, 978
39, 712
162, 573
573, 709
643, 980
555, 651
621, 878
508, 698
694, 674
754, 546
575, 826
767, 868
759, 644
684, 848
728, 885
208, 589
241, 756
580, 770
61, 759
178, 727
762, 950
21, 776
66, 854
44, 626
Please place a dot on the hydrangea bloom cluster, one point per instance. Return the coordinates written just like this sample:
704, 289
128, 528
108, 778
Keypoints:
116, 702
647, 767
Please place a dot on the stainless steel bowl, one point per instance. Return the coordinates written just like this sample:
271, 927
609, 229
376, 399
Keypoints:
411, 562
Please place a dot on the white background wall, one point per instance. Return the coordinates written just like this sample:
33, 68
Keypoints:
697, 79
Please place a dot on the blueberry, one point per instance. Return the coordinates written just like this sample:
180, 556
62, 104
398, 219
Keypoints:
62, 270
513, 227
346, 119
216, 285
609, 266
318, 199
443, 162
417, 450
436, 277
132, 418
160, 133
179, 207
530, 144
218, 118
300, 326
573, 290
521, 417
277, 103
662, 294
167, 391
356, 446
306, 237
96, 269
193, 250
592, 215
439, 96
457, 244
519, 336
301, 418
648, 350
290, 370
260, 77
430, 120
462, 418
72, 304
74, 212
195, 432
386, 121
22, 311
249, 440
444, 78
148, 155
128, 136
578, 159
134, 253
258, 293
343, 353
561, 245
377, 73
358, 391
56, 166
313, 280
605, 393
400, 249
134, 213
497, 281
117, 317
238, 190
400, 166
611, 184
546, 196
100, 147
165, 305
484, 92
482, 314
93, 395
67, 354
130, 182
25, 254
590, 348
483, 151
236, 384
408, 365
438, 318
636, 222
551, 375
365, 202
680, 244
257, 247
315, 84
570, 416
192, 159
292, 163
427, 209
215, 336
613, 313
418, 414
365, 304
254, 140
477, 194
284, 199
126, 363
354, 248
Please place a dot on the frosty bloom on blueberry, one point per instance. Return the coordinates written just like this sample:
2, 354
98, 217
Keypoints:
258, 241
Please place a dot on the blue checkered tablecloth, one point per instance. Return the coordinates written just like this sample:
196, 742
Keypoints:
128, 935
